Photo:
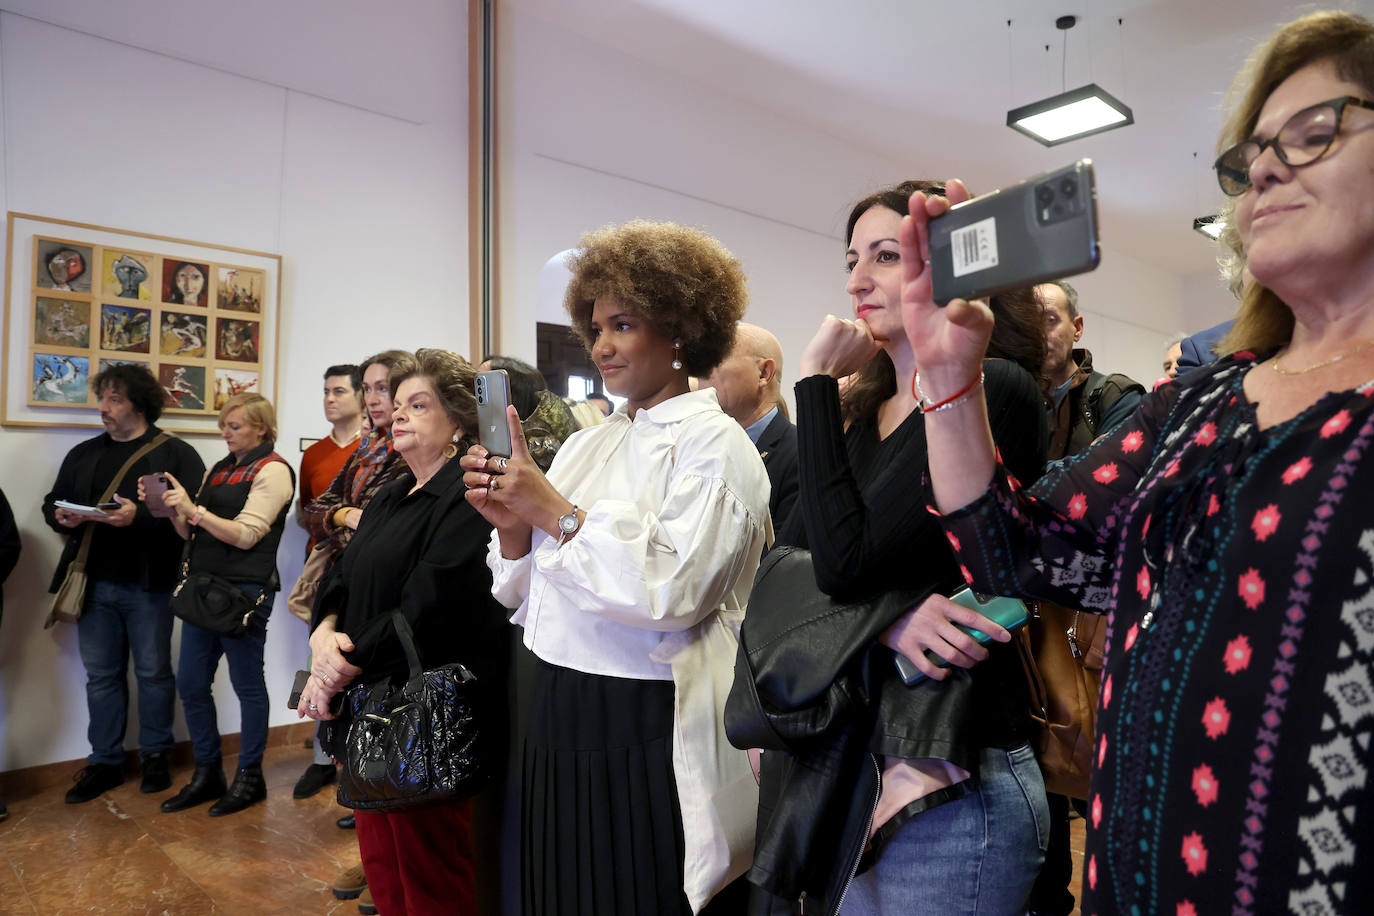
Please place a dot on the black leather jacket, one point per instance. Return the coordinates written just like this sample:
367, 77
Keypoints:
816, 690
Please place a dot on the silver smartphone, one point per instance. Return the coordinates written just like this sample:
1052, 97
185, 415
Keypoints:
493, 397
1042, 229
1009, 613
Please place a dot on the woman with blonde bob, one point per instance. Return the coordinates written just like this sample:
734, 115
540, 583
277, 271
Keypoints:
1223, 526
629, 566
235, 522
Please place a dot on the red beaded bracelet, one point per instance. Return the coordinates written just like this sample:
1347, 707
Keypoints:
950, 401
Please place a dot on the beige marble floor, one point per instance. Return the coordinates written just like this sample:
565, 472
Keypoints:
120, 854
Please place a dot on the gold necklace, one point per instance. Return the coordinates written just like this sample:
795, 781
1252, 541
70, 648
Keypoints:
1322, 365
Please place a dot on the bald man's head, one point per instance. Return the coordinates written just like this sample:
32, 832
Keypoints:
748, 380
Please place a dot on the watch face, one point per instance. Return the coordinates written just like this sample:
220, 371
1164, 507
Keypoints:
568, 522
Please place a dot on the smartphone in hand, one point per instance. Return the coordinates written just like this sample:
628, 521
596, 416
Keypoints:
1009, 613
302, 678
154, 488
493, 397
1042, 229
99, 510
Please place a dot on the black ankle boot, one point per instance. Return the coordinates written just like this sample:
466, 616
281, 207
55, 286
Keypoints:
249, 788
207, 784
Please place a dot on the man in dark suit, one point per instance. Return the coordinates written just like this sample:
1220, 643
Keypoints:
748, 385
1198, 350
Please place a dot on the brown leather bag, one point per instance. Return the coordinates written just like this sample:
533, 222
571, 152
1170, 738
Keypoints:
301, 601
1067, 647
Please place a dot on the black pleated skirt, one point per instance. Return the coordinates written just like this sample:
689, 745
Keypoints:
601, 827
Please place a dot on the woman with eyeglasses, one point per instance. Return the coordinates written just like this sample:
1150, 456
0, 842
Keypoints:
1225, 526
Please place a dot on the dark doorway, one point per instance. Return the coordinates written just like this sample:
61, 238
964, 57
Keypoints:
561, 356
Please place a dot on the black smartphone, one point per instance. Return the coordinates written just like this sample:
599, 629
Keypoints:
1042, 229
493, 397
302, 677
154, 488
1009, 613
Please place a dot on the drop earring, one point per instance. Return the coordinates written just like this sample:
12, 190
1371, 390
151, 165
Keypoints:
677, 363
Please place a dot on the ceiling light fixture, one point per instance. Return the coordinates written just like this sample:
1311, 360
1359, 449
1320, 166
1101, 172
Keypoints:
1210, 225
1070, 115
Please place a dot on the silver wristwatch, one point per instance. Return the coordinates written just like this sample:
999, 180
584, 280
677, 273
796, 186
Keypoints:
568, 523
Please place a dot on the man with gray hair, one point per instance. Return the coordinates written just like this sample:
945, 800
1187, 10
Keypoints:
1084, 403
1172, 351
748, 384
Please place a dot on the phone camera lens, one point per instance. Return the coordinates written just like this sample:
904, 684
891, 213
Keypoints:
1057, 210
1068, 187
1044, 194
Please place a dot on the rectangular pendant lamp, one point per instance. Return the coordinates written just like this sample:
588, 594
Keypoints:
1070, 115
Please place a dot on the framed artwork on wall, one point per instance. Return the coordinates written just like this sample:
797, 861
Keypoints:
79, 298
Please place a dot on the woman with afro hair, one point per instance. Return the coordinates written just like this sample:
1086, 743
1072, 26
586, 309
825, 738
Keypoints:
629, 565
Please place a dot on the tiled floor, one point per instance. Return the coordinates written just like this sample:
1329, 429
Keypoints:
121, 854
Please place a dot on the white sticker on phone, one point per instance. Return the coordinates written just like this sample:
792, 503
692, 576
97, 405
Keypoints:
974, 247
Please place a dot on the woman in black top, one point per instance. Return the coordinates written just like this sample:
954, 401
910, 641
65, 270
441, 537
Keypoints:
963, 764
420, 549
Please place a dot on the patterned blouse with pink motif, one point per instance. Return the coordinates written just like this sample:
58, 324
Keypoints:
1237, 704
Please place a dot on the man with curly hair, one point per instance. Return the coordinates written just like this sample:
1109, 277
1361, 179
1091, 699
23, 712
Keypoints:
131, 568
629, 566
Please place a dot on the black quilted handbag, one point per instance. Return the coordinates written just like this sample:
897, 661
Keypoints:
415, 744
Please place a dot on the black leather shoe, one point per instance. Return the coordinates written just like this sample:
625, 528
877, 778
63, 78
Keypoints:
315, 778
93, 779
347, 822
207, 784
249, 788
155, 775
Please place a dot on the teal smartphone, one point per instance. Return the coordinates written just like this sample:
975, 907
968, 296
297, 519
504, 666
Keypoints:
1009, 613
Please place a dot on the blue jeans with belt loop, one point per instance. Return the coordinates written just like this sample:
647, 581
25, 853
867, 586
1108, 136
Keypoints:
976, 855
122, 619
201, 651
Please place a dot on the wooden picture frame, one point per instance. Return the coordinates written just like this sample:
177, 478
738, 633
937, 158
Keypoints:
205, 319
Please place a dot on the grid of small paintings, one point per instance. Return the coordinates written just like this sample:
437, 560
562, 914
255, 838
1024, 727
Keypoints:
196, 325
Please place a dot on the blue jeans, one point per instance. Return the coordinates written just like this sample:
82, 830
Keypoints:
976, 855
200, 654
123, 618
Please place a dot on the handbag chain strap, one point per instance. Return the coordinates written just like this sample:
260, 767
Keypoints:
84, 550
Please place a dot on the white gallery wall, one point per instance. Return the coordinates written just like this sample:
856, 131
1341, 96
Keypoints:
590, 136
368, 211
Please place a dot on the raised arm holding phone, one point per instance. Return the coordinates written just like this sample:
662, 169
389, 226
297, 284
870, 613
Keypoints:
628, 566
1220, 525
927, 760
